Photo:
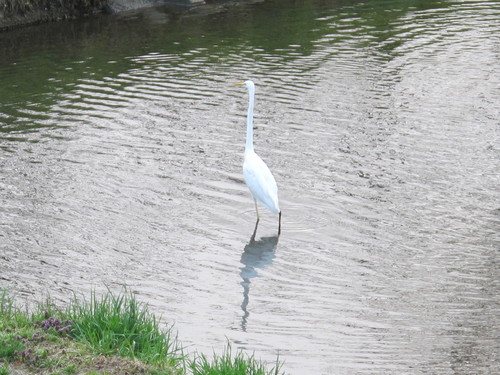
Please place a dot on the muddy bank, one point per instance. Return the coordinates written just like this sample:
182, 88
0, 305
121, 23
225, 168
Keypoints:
16, 13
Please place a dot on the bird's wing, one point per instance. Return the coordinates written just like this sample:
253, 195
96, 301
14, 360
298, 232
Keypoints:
260, 181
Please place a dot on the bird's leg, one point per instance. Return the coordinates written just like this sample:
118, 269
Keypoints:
279, 224
256, 209
252, 239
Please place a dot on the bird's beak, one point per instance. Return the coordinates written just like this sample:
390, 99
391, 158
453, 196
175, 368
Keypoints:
240, 83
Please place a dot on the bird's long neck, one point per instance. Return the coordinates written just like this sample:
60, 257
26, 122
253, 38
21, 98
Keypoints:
249, 142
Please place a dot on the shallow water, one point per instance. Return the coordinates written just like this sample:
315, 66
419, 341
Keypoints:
121, 143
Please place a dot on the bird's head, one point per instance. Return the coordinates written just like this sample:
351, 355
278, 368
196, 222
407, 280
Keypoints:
249, 84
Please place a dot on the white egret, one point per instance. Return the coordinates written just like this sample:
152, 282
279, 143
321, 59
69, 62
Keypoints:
258, 177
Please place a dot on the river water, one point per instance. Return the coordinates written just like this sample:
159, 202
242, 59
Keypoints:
121, 142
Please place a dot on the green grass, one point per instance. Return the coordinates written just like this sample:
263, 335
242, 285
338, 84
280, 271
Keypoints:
4, 370
227, 364
119, 325
9, 346
108, 335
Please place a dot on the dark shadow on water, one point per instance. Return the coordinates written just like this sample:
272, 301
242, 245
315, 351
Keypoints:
257, 254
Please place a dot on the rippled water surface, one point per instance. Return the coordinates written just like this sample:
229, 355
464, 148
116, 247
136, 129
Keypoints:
121, 142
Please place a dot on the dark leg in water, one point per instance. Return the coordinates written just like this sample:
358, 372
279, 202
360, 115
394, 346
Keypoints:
279, 225
252, 239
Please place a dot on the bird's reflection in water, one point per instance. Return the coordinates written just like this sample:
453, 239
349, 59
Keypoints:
257, 254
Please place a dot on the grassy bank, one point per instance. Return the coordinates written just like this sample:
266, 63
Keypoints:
21, 7
111, 334
14, 13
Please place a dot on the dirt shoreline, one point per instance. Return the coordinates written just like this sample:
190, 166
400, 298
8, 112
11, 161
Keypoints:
18, 13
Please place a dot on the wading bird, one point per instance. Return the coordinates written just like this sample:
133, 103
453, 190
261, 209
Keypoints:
258, 177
